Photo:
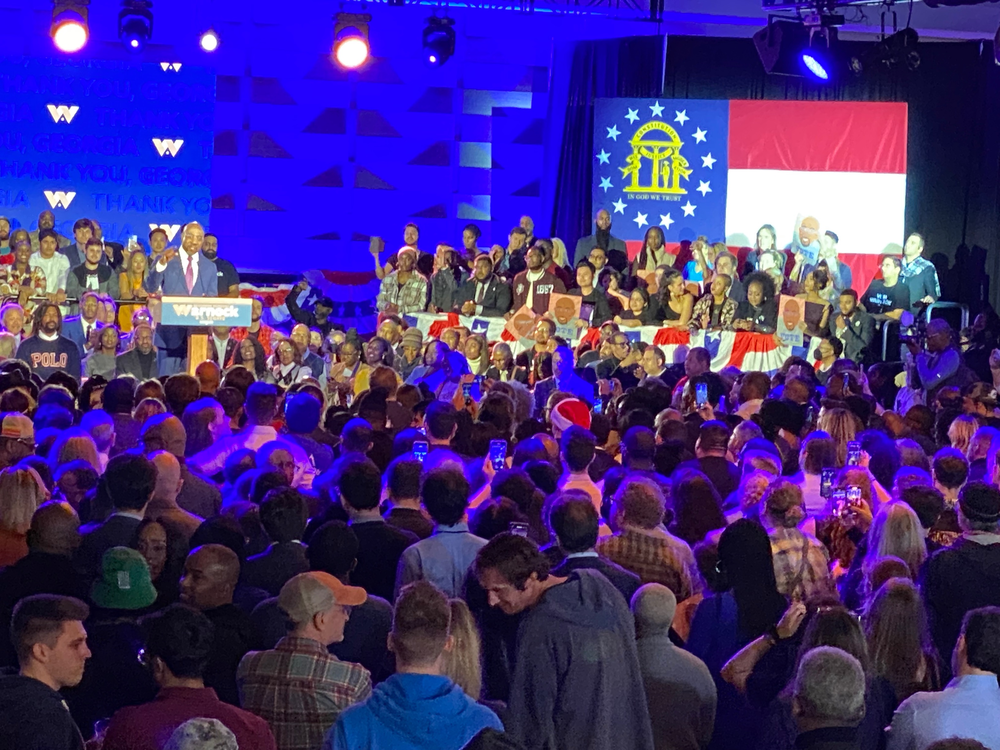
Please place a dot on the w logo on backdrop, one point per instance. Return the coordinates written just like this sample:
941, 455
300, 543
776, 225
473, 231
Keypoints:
170, 229
59, 199
176, 67
62, 112
167, 146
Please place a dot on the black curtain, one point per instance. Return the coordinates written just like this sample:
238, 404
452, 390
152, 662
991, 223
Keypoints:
631, 66
953, 151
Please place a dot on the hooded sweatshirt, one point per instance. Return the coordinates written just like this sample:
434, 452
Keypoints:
411, 712
577, 683
34, 717
954, 580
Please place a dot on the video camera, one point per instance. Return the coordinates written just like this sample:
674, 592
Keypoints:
914, 328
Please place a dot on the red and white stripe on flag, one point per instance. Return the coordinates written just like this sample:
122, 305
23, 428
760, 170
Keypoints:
843, 163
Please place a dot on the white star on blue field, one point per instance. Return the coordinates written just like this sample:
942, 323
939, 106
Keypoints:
701, 126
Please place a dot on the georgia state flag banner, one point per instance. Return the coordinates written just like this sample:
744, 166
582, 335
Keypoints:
724, 169
662, 163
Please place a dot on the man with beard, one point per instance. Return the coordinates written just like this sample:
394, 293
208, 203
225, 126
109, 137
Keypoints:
47, 351
92, 274
853, 326
411, 236
47, 220
483, 294
613, 247
188, 273
533, 286
403, 291
139, 362
4, 232
261, 332
78, 328
509, 261
229, 279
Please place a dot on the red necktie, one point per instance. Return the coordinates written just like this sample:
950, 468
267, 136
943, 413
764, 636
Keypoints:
189, 274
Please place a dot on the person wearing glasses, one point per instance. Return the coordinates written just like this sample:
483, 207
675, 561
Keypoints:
299, 687
622, 362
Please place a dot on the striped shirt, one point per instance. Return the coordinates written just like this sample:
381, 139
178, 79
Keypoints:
300, 689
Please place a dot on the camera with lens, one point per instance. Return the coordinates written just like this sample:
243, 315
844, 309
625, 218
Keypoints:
913, 329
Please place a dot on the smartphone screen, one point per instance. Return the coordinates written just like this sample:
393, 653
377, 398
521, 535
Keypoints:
586, 311
854, 495
498, 454
826, 482
853, 453
598, 406
701, 394
467, 391
420, 450
519, 528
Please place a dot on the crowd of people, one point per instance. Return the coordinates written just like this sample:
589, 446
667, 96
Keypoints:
416, 542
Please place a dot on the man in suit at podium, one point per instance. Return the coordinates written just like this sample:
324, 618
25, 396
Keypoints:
184, 273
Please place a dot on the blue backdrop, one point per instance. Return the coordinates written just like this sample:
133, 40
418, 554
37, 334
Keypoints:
126, 143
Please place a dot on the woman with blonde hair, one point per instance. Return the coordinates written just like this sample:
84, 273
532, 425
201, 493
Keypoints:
130, 282
462, 663
841, 425
895, 532
559, 255
21, 492
960, 432
899, 642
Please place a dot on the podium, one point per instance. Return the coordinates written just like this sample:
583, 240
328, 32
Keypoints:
199, 315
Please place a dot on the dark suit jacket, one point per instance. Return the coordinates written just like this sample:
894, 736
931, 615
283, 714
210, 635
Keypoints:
520, 374
623, 580
380, 547
617, 252
170, 281
198, 496
496, 298
858, 336
232, 346
235, 635
272, 568
723, 474
128, 364
115, 531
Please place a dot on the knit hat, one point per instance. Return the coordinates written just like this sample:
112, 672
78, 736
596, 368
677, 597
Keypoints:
302, 413
17, 426
413, 337
309, 593
124, 581
980, 502
570, 412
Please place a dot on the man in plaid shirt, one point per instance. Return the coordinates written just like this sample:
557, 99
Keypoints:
403, 291
919, 274
801, 562
300, 688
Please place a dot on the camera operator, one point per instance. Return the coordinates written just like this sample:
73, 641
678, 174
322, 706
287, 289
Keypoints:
939, 364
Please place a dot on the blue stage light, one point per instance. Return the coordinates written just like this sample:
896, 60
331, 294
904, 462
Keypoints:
439, 40
815, 66
135, 24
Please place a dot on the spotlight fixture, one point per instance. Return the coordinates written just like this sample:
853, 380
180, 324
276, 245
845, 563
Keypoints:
790, 47
135, 24
69, 29
439, 40
350, 39
209, 41
893, 51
